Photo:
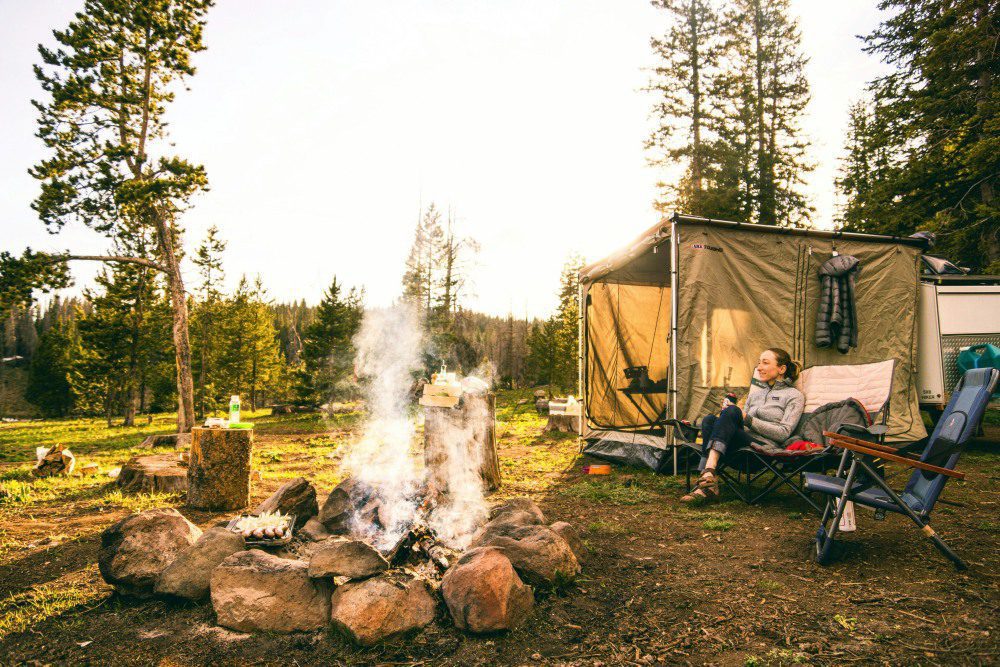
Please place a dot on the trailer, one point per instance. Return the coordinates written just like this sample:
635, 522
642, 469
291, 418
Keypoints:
958, 311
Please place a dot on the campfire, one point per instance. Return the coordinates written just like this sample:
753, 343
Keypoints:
386, 542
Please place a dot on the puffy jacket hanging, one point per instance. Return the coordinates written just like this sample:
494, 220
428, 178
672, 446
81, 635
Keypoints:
837, 318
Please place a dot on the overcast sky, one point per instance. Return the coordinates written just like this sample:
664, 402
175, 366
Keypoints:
324, 125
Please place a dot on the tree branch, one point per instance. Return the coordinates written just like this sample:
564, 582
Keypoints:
111, 258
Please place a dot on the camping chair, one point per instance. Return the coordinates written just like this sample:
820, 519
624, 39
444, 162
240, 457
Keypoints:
864, 486
762, 469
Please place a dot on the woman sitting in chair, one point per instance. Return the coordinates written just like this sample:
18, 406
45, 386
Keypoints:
771, 412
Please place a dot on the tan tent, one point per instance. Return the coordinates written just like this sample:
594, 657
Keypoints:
695, 301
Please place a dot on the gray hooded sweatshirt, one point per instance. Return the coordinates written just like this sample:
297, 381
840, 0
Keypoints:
774, 411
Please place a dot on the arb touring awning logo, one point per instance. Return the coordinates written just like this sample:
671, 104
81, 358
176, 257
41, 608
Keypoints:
702, 246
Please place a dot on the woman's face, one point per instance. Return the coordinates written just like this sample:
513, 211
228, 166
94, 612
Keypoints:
767, 367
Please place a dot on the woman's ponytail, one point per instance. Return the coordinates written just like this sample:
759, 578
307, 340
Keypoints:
792, 368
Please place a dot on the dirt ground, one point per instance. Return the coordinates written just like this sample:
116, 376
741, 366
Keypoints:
725, 584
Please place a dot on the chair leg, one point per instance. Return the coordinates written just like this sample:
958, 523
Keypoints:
924, 526
825, 537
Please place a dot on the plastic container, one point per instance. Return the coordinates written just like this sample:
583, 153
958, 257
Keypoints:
234, 410
597, 469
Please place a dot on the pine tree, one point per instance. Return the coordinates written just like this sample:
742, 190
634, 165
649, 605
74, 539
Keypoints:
936, 129
248, 360
206, 316
107, 85
423, 264
543, 351
687, 61
766, 92
328, 348
54, 376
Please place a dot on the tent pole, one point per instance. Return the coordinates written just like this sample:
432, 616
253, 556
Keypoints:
673, 338
581, 332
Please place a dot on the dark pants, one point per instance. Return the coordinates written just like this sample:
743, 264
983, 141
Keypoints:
722, 433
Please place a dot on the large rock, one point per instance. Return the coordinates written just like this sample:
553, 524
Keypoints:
484, 593
339, 507
538, 554
568, 532
515, 507
190, 573
380, 608
314, 531
296, 496
253, 590
339, 557
138, 548
505, 524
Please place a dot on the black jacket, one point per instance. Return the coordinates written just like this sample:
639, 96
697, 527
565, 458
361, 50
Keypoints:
837, 318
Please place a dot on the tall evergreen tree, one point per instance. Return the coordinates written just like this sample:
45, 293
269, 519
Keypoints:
687, 62
936, 126
424, 262
770, 91
54, 378
108, 83
206, 320
327, 347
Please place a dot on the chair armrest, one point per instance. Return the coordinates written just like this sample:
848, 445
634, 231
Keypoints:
887, 453
877, 430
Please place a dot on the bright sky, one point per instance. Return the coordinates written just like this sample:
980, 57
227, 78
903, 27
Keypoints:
325, 124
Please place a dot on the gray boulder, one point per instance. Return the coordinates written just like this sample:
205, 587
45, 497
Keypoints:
296, 496
314, 531
516, 507
381, 608
190, 573
538, 553
340, 557
253, 591
135, 550
339, 507
484, 593
568, 532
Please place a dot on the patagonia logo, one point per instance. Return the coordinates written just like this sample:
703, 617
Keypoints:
775, 398
703, 246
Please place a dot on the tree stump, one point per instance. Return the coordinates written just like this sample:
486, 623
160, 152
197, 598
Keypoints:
162, 473
563, 423
175, 440
468, 430
219, 471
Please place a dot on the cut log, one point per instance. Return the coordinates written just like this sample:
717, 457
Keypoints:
474, 419
563, 423
161, 473
175, 440
219, 471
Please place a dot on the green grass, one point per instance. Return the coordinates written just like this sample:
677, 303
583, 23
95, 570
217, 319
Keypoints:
608, 528
769, 585
24, 610
611, 492
989, 526
716, 523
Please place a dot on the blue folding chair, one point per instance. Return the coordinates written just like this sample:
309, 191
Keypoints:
864, 485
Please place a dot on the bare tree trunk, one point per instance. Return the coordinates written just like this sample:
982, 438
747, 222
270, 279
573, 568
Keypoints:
696, 153
182, 344
765, 210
